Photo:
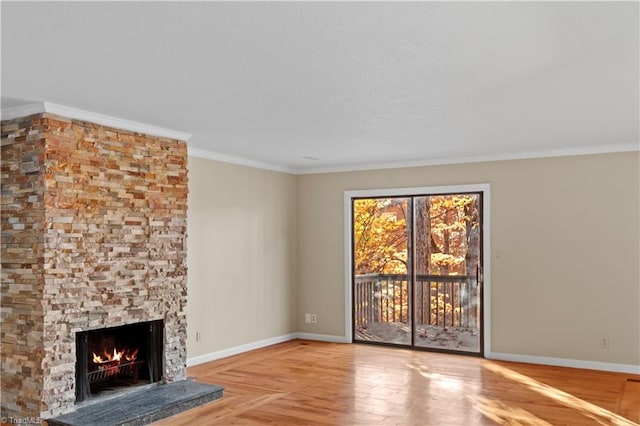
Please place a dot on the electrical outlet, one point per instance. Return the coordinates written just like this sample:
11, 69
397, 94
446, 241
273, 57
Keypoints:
197, 336
604, 343
314, 319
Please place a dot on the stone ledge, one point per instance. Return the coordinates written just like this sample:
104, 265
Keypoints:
143, 407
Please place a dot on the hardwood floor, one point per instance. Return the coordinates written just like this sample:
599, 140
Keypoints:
316, 383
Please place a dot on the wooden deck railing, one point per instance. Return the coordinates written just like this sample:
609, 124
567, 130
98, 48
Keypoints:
440, 300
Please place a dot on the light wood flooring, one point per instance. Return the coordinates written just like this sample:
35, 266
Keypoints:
316, 383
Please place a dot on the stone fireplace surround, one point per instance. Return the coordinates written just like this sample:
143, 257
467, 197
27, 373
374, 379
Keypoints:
93, 235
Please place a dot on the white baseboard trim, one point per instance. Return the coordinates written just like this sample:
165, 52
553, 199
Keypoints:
499, 356
322, 337
201, 359
565, 362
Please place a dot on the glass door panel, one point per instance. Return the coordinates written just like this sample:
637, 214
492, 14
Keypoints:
382, 265
447, 234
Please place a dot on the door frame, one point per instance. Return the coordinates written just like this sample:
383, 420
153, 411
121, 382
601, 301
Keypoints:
484, 188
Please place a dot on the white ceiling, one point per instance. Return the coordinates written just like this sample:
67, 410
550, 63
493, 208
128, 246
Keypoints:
354, 84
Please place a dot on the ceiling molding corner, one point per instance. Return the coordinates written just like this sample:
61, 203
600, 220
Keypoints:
241, 161
13, 112
92, 117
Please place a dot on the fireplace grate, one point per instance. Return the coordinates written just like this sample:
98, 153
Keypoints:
110, 370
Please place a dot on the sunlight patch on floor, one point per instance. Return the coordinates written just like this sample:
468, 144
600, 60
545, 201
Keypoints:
443, 382
438, 380
592, 411
504, 414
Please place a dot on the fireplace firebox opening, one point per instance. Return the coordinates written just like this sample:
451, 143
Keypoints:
110, 359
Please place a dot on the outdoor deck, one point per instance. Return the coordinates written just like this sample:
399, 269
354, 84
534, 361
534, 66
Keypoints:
445, 310
427, 336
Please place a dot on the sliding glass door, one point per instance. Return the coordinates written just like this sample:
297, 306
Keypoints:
417, 264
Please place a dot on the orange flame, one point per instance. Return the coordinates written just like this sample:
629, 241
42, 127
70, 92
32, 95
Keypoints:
117, 356
131, 356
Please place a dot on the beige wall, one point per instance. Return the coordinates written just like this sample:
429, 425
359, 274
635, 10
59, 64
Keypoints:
242, 255
266, 247
565, 249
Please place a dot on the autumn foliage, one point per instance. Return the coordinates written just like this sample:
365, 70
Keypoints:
449, 226
380, 231
444, 233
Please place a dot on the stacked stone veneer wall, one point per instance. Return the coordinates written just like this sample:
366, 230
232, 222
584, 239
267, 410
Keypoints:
93, 235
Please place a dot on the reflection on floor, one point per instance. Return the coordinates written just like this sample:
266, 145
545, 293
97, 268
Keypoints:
333, 384
629, 404
427, 336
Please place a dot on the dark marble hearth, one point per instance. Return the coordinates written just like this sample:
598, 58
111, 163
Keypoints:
142, 407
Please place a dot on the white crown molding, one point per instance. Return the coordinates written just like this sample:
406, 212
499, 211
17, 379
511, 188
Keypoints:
22, 110
92, 117
105, 120
599, 149
241, 161
565, 362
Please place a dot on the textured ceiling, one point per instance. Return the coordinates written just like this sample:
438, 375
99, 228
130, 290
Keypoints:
353, 84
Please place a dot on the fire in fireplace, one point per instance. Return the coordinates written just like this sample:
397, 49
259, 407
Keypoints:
110, 359
119, 363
